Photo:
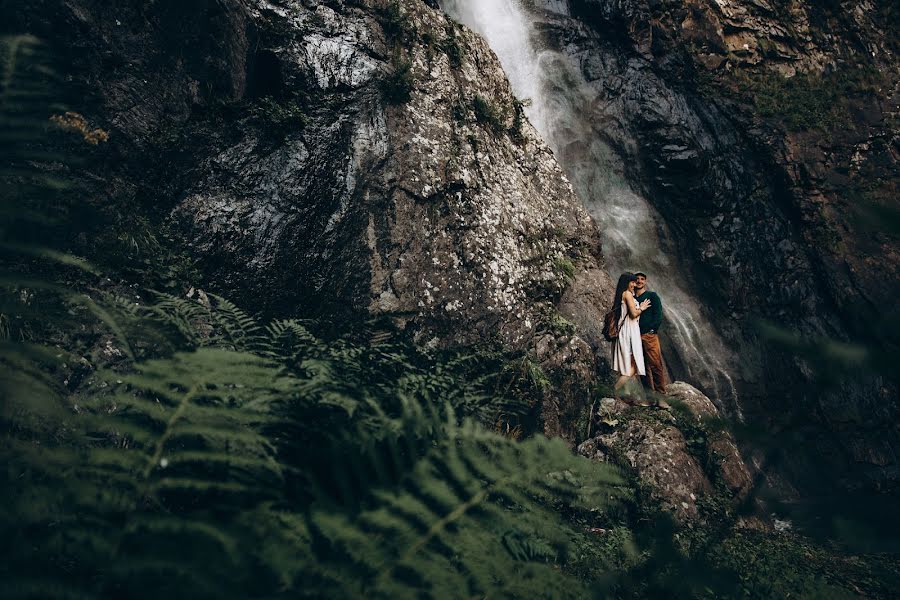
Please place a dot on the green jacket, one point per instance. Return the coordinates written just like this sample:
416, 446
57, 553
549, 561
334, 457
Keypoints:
651, 318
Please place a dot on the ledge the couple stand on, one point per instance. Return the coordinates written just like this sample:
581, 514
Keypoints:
632, 324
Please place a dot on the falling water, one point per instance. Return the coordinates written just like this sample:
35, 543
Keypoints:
634, 236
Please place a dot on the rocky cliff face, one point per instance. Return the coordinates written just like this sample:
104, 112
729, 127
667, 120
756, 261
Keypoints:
766, 136
719, 138
346, 159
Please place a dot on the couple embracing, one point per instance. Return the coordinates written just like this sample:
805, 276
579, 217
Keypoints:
636, 347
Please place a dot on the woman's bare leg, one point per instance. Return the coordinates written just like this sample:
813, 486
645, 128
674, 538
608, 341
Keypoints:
641, 400
624, 378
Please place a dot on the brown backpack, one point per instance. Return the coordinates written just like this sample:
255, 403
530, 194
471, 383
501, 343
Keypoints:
611, 325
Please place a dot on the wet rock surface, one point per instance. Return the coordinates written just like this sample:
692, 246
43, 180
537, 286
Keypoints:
345, 160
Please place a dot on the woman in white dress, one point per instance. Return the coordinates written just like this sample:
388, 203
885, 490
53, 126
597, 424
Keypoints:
628, 351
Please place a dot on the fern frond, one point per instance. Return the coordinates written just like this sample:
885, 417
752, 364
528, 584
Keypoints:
49, 254
241, 330
464, 485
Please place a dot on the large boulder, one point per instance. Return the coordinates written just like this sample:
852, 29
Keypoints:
722, 451
659, 456
677, 471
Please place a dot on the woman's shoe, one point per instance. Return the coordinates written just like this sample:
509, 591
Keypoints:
663, 405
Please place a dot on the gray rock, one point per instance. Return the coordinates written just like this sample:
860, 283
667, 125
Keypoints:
657, 451
660, 457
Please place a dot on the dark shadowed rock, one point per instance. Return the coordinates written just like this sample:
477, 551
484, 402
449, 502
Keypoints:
571, 367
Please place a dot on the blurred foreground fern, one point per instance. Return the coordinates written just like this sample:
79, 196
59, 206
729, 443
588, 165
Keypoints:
227, 473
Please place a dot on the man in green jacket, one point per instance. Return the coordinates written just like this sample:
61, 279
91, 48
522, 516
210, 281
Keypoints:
651, 319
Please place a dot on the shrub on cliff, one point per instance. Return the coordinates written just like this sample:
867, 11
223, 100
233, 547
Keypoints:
489, 114
396, 87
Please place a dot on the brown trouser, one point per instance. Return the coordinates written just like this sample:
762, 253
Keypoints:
655, 379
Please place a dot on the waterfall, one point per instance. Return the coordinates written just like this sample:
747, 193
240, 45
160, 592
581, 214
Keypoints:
633, 233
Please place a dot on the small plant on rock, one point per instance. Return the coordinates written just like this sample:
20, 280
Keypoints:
279, 114
489, 114
564, 267
473, 142
451, 47
396, 87
558, 325
395, 24
515, 132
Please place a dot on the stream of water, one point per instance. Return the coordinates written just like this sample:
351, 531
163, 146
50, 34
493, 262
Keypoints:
634, 236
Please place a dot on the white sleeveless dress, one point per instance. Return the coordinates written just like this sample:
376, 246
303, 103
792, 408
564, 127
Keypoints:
628, 343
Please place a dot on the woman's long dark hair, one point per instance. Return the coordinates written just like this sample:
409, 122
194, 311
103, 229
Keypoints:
624, 280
